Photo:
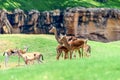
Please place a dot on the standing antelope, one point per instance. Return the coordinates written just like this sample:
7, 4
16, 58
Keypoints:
60, 48
73, 45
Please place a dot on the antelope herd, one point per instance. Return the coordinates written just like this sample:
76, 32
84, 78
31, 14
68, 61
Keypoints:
27, 57
67, 47
69, 44
72, 28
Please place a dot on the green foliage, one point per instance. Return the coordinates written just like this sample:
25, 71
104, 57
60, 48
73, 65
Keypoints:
43, 5
103, 64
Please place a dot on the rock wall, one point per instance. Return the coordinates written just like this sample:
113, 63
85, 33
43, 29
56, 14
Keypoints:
98, 24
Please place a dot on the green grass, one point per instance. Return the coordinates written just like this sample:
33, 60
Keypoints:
43, 5
103, 64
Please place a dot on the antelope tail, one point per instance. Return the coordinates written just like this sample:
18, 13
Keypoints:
89, 49
62, 54
4, 54
42, 57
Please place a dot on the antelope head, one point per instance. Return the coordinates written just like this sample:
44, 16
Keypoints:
62, 37
52, 30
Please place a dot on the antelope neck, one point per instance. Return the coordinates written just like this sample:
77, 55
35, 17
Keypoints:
56, 36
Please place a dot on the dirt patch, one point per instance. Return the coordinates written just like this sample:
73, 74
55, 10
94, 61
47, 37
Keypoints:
10, 65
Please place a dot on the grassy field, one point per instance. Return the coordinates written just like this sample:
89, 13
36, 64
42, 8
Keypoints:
103, 64
43, 5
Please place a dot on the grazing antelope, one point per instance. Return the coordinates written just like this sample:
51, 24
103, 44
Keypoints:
11, 52
60, 49
30, 57
87, 50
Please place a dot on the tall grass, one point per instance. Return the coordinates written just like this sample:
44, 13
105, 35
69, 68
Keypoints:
103, 64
